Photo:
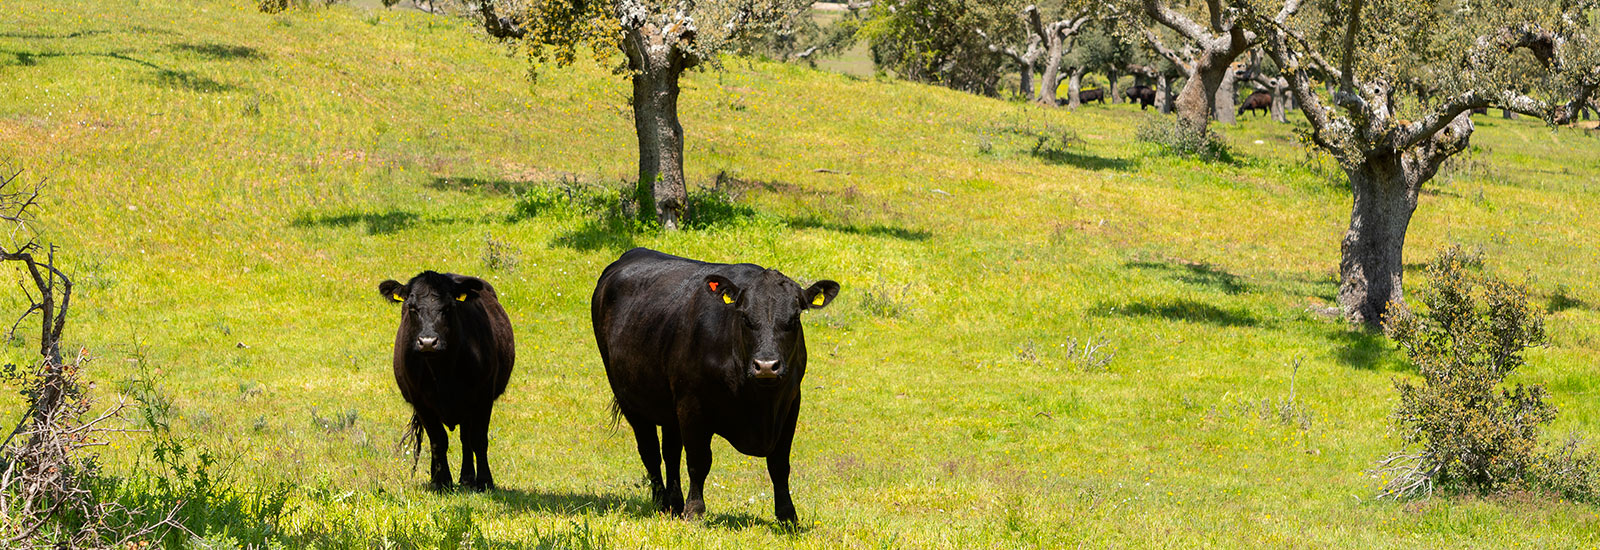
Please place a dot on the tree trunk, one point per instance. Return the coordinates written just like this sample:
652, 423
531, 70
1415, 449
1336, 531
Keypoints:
1507, 114
1371, 264
1025, 88
662, 188
1195, 101
1164, 94
1113, 89
1282, 101
1052, 71
1227, 96
1073, 87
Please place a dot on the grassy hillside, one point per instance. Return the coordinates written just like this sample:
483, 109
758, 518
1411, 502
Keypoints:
229, 188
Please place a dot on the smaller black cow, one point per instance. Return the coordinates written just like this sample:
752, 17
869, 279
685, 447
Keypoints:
1097, 94
1257, 100
702, 349
1144, 95
452, 357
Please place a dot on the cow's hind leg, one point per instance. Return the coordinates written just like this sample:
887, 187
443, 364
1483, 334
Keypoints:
480, 453
644, 433
671, 449
438, 445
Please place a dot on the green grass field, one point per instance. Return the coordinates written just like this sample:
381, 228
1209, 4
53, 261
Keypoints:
229, 187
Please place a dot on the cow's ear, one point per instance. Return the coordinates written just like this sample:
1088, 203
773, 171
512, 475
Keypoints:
468, 288
821, 294
392, 290
723, 288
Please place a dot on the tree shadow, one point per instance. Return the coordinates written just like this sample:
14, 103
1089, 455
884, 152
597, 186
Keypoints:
1198, 274
571, 504
221, 51
1059, 157
377, 223
1190, 311
32, 58
191, 81
873, 230
1363, 349
480, 185
42, 36
606, 233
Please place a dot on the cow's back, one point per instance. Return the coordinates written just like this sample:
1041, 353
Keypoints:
650, 330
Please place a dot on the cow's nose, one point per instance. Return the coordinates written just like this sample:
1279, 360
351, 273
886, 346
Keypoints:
766, 369
427, 343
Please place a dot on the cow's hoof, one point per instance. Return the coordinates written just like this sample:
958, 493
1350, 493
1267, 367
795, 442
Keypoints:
788, 517
441, 485
694, 509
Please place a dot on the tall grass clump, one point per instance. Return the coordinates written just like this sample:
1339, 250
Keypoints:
1475, 434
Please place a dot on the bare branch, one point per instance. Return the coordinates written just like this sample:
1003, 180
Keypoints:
1347, 79
1158, 10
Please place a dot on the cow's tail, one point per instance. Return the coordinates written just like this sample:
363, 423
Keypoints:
616, 413
413, 434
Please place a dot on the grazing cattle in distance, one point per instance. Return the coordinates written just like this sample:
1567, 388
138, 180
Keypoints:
1480, 110
1257, 100
1144, 95
703, 349
1097, 94
452, 358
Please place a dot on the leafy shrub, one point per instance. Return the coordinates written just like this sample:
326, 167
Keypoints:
1175, 139
1474, 434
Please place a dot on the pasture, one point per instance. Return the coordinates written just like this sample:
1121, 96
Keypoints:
228, 188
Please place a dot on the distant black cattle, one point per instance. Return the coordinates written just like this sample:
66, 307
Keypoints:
452, 357
1258, 100
1480, 110
1145, 96
1097, 94
701, 349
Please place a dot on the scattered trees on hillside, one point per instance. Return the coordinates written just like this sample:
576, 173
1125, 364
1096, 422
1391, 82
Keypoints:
660, 40
1210, 63
1389, 144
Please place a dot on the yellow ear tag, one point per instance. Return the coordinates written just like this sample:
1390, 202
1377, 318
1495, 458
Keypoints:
461, 297
819, 299
397, 297
727, 299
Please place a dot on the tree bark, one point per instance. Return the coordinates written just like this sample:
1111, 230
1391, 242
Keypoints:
1025, 88
1054, 49
1371, 256
655, 120
1113, 89
1195, 100
1075, 85
1164, 94
1226, 98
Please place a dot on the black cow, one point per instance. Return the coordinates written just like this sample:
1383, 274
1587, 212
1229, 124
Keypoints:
1257, 100
1097, 94
701, 349
452, 357
1144, 95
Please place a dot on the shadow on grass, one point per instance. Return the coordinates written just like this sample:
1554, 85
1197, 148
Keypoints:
479, 185
377, 223
1087, 162
221, 51
1363, 349
744, 520
1190, 311
31, 58
874, 230
1204, 275
42, 36
571, 504
607, 233
188, 80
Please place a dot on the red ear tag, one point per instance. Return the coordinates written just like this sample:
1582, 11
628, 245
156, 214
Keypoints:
713, 286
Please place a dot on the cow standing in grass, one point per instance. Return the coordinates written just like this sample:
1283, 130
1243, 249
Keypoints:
452, 358
1145, 96
1257, 100
704, 349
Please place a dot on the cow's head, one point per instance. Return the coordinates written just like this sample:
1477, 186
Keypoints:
428, 302
765, 320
